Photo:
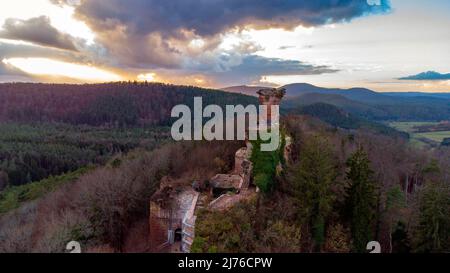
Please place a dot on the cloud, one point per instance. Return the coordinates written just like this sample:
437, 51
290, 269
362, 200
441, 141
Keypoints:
254, 64
10, 74
249, 69
284, 47
143, 33
253, 67
37, 30
10, 49
207, 18
6, 70
185, 37
428, 76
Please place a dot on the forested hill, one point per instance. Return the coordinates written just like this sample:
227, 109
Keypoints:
372, 105
366, 103
116, 104
340, 118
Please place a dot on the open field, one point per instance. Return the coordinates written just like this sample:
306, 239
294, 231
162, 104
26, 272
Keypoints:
420, 139
409, 125
435, 136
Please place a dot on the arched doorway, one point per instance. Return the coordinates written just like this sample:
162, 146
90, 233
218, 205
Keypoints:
178, 235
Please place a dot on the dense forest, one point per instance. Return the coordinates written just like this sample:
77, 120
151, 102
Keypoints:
110, 104
34, 152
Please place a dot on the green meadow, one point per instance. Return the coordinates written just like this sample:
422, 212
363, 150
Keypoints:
420, 139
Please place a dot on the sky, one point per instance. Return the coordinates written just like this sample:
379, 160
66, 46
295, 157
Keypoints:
396, 45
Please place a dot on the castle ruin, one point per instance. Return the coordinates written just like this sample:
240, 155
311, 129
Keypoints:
173, 209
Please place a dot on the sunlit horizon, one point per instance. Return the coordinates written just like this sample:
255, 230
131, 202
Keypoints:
49, 67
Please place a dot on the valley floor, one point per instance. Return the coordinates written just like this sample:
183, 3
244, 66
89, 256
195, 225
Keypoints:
422, 139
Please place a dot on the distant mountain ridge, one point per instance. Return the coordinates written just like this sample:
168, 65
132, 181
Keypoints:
369, 104
355, 93
419, 94
413, 106
296, 89
244, 89
358, 94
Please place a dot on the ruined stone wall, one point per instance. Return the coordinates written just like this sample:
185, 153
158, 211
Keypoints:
188, 226
159, 226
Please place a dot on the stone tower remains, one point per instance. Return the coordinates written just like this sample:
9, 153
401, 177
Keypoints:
269, 97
